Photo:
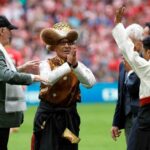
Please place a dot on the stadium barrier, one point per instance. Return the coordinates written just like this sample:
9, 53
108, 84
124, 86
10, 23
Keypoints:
100, 92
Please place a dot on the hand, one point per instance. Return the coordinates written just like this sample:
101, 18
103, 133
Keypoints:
38, 78
115, 132
127, 66
30, 67
119, 14
71, 58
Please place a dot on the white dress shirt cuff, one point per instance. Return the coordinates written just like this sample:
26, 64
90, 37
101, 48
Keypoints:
32, 77
57, 73
129, 73
84, 75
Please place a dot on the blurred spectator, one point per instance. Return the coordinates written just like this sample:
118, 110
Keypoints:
15, 56
94, 19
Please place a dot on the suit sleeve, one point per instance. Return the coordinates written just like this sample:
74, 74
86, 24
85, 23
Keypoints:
12, 77
133, 84
118, 119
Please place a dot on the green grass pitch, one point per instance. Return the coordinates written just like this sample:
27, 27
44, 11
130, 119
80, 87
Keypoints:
96, 120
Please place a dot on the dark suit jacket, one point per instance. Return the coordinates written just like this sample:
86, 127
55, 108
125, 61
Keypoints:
11, 77
132, 84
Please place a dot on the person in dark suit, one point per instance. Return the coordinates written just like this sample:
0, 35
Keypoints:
128, 101
140, 133
12, 103
128, 89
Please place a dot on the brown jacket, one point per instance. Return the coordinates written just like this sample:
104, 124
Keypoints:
65, 91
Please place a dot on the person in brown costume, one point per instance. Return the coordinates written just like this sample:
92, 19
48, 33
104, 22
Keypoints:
56, 123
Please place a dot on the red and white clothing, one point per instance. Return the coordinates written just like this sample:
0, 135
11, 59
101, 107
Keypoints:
138, 64
140, 133
15, 56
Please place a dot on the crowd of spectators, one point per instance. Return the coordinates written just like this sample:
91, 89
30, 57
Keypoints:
94, 20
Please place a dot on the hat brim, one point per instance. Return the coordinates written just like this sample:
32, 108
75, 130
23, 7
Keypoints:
51, 37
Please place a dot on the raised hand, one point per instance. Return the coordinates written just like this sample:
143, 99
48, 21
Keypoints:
71, 58
119, 14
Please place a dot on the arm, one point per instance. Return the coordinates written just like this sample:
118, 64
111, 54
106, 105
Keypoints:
53, 75
29, 67
117, 119
9, 76
138, 64
117, 115
84, 75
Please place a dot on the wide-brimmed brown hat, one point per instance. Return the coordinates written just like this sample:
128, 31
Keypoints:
59, 31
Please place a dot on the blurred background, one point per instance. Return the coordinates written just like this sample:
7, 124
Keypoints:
94, 20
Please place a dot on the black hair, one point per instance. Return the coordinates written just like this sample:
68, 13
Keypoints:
146, 43
147, 24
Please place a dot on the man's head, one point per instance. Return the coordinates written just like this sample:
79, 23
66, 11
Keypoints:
59, 38
135, 32
146, 45
5, 30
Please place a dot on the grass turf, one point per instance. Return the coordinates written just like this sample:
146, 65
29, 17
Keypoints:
96, 120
